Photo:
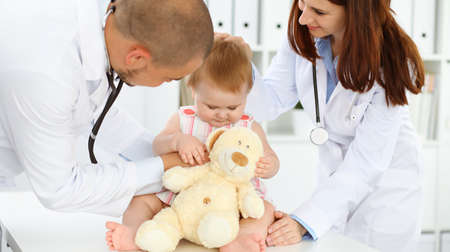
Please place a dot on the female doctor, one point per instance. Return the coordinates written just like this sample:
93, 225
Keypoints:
369, 170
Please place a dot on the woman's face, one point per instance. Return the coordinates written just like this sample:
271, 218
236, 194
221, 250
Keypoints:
323, 18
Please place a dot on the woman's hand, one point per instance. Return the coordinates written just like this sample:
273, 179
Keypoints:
191, 150
284, 231
239, 40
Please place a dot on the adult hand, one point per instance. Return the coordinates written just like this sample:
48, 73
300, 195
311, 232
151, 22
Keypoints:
284, 231
237, 39
171, 160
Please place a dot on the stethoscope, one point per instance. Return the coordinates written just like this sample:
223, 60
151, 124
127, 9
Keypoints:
112, 96
318, 135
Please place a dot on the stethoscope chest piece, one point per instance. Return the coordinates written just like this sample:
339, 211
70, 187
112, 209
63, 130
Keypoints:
318, 136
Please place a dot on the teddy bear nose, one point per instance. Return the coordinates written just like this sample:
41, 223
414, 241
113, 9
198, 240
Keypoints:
239, 159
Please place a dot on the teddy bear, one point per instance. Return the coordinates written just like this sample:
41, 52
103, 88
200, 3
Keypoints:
210, 196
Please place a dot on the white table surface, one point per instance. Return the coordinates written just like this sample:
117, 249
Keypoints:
36, 229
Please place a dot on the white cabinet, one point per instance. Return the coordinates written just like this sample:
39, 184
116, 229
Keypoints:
443, 202
429, 187
445, 242
221, 15
427, 242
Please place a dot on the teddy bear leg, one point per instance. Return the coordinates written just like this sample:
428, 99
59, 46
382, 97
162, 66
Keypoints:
216, 229
161, 234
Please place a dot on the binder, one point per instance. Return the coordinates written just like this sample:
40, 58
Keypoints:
221, 15
275, 22
246, 20
404, 14
424, 25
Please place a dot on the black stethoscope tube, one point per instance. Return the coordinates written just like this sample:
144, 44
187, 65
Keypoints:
316, 95
112, 97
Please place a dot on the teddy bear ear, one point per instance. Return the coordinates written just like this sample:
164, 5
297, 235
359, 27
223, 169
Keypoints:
213, 137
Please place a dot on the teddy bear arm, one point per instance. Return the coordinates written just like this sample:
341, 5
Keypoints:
179, 178
250, 204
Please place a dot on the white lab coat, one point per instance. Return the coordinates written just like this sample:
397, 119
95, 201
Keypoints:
369, 171
52, 88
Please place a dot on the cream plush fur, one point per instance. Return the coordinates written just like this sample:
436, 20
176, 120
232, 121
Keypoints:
206, 210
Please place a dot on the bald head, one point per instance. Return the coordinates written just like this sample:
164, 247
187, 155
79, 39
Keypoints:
174, 31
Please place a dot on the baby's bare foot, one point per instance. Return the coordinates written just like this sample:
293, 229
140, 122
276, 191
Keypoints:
246, 243
119, 237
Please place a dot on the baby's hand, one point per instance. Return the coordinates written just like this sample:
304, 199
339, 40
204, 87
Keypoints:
267, 166
191, 150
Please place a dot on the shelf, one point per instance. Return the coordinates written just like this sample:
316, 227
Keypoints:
257, 48
432, 57
430, 144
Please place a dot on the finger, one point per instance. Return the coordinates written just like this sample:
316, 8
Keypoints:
274, 240
198, 158
292, 238
183, 157
221, 35
201, 152
279, 214
282, 238
277, 225
191, 159
258, 171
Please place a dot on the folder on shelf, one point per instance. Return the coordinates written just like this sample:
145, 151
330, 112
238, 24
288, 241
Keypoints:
424, 109
404, 14
274, 22
424, 25
246, 20
221, 15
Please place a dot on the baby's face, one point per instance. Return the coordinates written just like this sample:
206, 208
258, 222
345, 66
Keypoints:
218, 107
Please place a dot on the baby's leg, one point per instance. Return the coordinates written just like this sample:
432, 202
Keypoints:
141, 208
252, 233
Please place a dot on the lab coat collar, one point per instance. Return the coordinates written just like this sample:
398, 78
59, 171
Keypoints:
320, 43
93, 48
92, 40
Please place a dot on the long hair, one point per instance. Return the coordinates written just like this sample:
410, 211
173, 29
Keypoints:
375, 48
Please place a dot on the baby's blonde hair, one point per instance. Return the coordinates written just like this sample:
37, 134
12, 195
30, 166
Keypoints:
228, 67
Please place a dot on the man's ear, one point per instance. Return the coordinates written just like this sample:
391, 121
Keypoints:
137, 58
212, 139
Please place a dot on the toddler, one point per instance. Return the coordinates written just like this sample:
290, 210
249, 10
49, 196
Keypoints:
220, 88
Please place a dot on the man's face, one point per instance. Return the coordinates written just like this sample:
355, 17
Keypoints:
154, 75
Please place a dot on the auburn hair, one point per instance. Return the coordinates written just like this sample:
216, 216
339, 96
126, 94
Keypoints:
228, 67
375, 48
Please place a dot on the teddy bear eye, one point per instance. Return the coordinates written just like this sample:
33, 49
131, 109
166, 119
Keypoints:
239, 142
248, 146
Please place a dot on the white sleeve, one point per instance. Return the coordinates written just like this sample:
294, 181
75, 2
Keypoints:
37, 113
368, 156
276, 93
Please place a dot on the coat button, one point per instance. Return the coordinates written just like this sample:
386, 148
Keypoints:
353, 117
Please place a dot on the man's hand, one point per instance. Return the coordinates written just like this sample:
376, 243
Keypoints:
171, 160
284, 231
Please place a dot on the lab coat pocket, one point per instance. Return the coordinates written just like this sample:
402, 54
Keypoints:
353, 118
356, 114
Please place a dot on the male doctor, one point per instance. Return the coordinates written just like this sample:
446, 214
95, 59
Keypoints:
54, 56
